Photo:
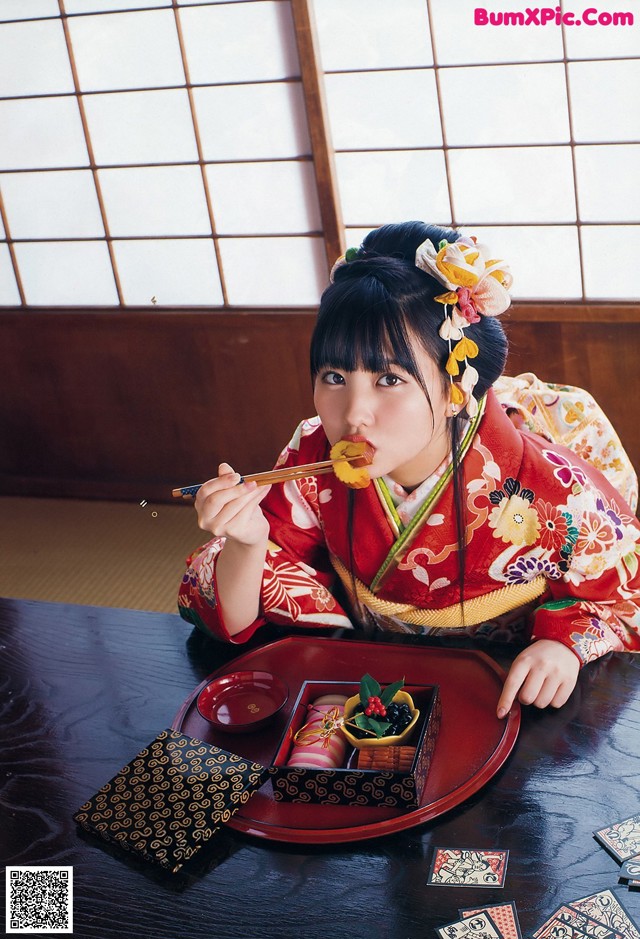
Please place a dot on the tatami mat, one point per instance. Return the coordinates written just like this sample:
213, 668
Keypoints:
97, 553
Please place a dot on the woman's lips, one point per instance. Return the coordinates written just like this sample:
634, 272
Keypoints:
358, 438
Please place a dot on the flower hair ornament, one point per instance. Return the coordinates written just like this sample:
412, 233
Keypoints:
477, 285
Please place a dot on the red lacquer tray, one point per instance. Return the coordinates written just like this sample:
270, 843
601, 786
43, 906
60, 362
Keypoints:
471, 747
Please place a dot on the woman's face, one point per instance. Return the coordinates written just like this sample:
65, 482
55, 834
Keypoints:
390, 410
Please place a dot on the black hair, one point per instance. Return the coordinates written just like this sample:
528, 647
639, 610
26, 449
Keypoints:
378, 301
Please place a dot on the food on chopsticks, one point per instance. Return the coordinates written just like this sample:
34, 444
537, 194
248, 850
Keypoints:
348, 463
351, 458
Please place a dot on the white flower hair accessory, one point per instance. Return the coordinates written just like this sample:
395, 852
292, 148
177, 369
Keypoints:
477, 285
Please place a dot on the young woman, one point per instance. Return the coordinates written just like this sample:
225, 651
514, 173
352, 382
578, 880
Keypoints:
470, 523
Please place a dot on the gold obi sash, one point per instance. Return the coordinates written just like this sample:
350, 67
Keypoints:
477, 610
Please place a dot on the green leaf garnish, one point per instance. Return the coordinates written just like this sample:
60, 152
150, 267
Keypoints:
391, 691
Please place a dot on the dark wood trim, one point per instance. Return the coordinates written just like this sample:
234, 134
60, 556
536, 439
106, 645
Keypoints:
12, 251
319, 129
523, 310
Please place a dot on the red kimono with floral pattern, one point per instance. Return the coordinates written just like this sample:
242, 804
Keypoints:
552, 550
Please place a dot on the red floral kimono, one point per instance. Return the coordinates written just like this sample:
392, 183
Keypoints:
552, 550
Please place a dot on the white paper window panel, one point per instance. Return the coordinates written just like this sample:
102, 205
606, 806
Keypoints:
252, 121
172, 272
21, 10
514, 184
105, 6
604, 99
127, 50
544, 261
515, 104
141, 127
40, 132
383, 109
389, 186
280, 272
34, 59
157, 200
373, 34
610, 257
602, 41
239, 42
9, 294
61, 204
70, 273
264, 198
458, 41
608, 189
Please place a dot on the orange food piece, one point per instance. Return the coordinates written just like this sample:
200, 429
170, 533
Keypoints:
353, 457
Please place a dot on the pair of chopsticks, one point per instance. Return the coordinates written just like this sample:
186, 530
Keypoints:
272, 476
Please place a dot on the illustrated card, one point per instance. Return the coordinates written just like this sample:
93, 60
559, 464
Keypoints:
504, 915
622, 839
480, 926
567, 923
458, 867
606, 908
630, 869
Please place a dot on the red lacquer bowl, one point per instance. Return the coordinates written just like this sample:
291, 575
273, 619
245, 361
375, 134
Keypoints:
242, 702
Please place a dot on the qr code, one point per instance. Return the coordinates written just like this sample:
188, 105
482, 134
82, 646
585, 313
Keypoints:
39, 899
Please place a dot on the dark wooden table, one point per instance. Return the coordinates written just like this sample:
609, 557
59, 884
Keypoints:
83, 689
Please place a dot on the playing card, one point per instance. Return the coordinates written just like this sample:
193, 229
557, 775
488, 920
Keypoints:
622, 839
566, 923
630, 869
606, 908
468, 868
480, 926
504, 915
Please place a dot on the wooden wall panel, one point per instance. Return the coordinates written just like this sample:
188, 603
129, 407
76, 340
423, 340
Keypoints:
131, 404
111, 404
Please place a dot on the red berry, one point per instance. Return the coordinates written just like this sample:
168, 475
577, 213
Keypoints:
368, 711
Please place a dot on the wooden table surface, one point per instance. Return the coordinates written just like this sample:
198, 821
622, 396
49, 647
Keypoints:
83, 689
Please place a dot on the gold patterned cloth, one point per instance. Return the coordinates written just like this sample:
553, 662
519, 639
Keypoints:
171, 798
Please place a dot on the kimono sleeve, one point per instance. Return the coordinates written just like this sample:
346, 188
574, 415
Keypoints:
297, 578
595, 605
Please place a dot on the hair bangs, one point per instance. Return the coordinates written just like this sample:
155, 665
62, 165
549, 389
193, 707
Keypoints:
358, 327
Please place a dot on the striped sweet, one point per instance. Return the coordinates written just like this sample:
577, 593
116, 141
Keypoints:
316, 755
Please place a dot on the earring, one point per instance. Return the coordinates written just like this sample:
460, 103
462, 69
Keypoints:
454, 409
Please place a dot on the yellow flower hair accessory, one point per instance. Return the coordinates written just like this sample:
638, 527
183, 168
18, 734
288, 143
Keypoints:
477, 285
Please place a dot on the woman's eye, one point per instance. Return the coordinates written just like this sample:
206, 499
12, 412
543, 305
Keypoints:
333, 378
390, 381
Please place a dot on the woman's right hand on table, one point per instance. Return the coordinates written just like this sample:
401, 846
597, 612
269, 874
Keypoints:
232, 511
